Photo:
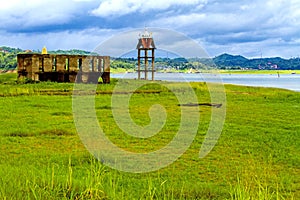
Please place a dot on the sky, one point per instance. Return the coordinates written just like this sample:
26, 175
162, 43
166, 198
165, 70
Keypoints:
252, 28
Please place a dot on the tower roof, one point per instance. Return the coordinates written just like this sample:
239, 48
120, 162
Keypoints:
146, 41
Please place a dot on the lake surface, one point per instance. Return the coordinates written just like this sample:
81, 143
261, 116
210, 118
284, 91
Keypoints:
285, 81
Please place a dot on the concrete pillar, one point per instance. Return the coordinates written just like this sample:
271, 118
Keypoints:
73, 64
48, 63
106, 63
106, 73
60, 63
139, 64
85, 64
152, 64
95, 64
146, 64
21, 67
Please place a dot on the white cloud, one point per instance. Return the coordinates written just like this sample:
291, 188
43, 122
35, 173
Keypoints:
164, 39
238, 27
241, 27
123, 7
87, 39
260, 18
19, 13
179, 21
272, 47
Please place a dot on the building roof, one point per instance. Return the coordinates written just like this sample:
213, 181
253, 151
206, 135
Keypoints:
146, 41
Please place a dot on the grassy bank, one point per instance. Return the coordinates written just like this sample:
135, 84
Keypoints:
42, 157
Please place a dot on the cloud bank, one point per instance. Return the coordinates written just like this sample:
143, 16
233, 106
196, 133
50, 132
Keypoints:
249, 28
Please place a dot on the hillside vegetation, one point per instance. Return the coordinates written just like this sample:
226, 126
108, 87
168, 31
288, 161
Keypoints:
8, 61
8, 56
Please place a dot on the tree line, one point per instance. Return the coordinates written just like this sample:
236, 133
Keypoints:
8, 61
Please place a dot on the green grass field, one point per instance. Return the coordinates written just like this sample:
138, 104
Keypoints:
42, 156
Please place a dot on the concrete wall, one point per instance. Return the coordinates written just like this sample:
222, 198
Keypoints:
63, 68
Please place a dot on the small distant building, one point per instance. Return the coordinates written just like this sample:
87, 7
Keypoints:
63, 68
145, 44
3, 51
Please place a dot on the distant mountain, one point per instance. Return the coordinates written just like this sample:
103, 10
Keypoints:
8, 61
227, 61
71, 52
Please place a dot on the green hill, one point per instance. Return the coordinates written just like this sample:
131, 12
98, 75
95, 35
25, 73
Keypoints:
8, 56
8, 61
226, 61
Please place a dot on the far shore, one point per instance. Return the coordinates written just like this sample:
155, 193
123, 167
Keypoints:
260, 71
122, 70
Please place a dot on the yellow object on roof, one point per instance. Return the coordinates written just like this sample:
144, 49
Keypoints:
44, 50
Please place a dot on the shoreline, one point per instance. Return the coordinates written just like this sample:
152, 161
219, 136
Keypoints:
121, 71
285, 81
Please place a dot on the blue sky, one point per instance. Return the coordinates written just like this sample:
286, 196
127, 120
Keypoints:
250, 28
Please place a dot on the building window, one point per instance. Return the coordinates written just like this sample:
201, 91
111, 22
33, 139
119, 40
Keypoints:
101, 65
91, 65
41, 64
67, 64
54, 65
79, 64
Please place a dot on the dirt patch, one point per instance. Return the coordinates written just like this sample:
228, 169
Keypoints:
55, 132
19, 134
216, 105
61, 114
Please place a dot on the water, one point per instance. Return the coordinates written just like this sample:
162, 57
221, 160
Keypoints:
285, 81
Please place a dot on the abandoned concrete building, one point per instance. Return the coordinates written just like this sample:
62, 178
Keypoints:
63, 68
